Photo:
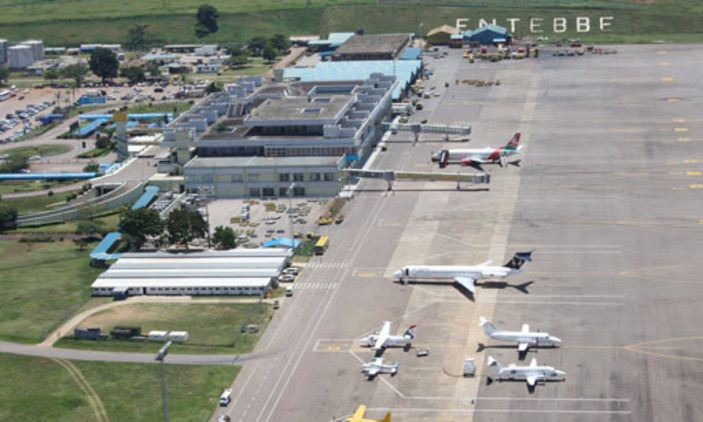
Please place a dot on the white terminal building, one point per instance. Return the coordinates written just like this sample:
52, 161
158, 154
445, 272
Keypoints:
234, 272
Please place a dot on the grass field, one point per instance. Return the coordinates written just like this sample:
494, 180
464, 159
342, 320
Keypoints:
37, 389
32, 204
43, 284
110, 223
211, 327
45, 150
70, 22
28, 186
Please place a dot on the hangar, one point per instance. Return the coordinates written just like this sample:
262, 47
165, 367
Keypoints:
234, 272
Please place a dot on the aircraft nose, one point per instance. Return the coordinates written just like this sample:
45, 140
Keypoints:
556, 341
398, 274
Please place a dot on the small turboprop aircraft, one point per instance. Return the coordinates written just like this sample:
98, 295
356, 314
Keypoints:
523, 338
382, 339
361, 411
477, 156
376, 367
532, 374
464, 275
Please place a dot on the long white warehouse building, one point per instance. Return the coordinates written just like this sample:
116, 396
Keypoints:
235, 272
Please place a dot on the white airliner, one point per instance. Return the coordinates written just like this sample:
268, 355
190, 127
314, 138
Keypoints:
478, 156
523, 338
532, 374
382, 339
465, 275
376, 367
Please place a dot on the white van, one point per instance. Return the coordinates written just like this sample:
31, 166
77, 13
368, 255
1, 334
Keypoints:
289, 291
226, 397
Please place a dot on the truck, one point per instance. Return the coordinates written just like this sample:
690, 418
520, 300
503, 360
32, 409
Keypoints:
50, 118
225, 397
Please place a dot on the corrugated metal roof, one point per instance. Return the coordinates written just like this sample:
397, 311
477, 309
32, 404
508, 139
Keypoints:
146, 198
211, 254
411, 53
192, 263
357, 70
101, 250
182, 282
191, 273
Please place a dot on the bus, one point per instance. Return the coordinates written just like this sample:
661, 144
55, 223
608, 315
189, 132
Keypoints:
321, 245
5, 95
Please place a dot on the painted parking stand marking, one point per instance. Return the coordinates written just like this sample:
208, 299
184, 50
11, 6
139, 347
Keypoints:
667, 79
681, 129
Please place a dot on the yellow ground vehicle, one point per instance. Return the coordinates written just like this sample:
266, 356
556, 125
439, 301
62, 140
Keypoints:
339, 219
324, 221
313, 235
321, 245
383, 146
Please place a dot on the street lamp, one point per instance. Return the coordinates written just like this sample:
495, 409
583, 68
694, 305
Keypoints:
290, 214
204, 192
160, 357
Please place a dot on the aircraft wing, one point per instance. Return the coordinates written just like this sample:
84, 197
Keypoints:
533, 363
358, 415
372, 371
467, 283
483, 264
525, 328
532, 379
383, 336
478, 160
522, 347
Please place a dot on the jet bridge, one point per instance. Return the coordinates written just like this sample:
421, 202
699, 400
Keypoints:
418, 128
391, 175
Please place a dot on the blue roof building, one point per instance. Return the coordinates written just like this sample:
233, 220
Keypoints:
489, 35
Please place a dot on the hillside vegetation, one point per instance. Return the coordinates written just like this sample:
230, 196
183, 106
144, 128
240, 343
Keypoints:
71, 22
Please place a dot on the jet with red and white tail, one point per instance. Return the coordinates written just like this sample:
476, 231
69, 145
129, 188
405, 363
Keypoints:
478, 156
382, 339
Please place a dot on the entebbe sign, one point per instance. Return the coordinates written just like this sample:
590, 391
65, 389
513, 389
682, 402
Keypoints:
557, 25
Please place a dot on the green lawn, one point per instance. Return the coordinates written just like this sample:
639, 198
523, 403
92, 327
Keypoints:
57, 22
211, 327
110, 223
45, 150
33, 204
43, 284
38, 389
28, 186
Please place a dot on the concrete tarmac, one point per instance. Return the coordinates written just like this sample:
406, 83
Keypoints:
607, 192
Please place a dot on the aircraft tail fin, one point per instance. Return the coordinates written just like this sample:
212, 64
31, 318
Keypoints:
443, 158
410, 333
494, 364
518, 260
488, 327
515, 141
387, 418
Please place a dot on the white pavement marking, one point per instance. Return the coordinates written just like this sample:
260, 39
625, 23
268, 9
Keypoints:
523, 411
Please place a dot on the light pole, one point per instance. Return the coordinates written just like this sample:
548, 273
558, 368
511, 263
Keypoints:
160, 357
290, 214
204, 192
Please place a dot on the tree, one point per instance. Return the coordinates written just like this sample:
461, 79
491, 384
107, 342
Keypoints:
184, 225
103, 62
268, 53
15, 163
91, 168
76, 72
280, 43
238, 61
236, 50
4, 75
52, 74
360, 31
136, 35
212, 87
8, 216
137, 224
133, 74
256, 45
224, 238
206, 20
89, 227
